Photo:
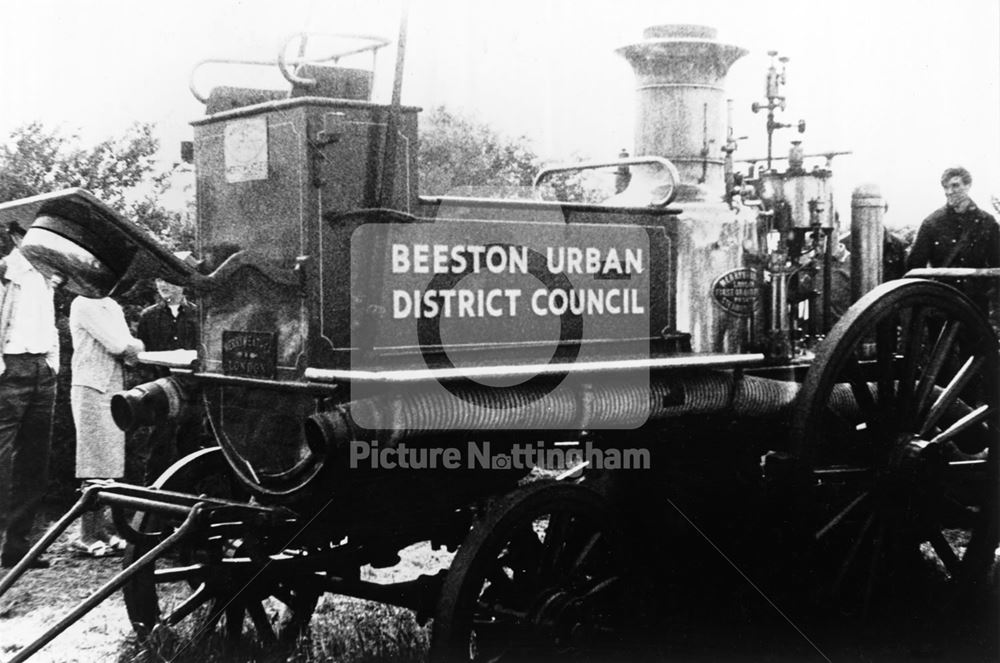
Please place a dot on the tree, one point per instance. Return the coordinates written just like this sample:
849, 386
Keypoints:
462, 156
122, 172
459, 155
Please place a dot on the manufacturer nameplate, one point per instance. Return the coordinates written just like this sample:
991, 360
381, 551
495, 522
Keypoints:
736, 292
250, 354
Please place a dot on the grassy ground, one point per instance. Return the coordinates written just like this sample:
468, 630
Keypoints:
343, 629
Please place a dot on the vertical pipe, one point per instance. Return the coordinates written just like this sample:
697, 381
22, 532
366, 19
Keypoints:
387, 187
867, 236
780, 321
831, 242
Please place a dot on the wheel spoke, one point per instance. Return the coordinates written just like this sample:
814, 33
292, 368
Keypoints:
286, 596
939, 355
194, 600
191, 574
885, 355
215, 613
878, 543
261, 622
492, 636
842, 471
970, 465
234, 620
968, 421
524, 551
841, 515
556, 536
956, 514
836, 419
911, 342
500, 583
603, 587
300, 604
497, 613
588, 548
944, 551
861, 390
951, 392
845, 566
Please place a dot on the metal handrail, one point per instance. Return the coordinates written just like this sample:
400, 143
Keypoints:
283, 63
666, 165
194, 70
377, 42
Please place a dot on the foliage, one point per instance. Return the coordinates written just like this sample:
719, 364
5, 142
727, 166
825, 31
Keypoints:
461, 156
458, 152
121, 171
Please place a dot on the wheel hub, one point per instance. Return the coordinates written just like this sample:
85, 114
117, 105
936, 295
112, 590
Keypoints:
913, 473
563, 616
916, 460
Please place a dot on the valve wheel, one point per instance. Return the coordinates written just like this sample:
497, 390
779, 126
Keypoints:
200, 589
541, 576
896, 431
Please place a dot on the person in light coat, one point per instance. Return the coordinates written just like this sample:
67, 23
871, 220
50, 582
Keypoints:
102, 343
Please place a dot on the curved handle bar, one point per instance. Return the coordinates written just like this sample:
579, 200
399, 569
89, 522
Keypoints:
376, 43
194, 70
666, 165
284, 63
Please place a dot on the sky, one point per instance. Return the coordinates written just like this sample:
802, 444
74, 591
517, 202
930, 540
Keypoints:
908, 86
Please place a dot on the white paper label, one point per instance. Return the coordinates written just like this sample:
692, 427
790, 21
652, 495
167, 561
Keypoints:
246, 150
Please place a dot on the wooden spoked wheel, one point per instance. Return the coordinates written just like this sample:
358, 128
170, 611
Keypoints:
540, 577
896, 432
220, 583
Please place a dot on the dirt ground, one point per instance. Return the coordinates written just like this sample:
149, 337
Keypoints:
43, 596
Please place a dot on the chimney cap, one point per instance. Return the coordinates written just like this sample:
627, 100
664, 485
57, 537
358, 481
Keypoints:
680, 31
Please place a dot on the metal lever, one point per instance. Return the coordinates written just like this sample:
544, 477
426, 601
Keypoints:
109, 587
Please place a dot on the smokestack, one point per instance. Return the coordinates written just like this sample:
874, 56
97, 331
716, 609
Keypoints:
680, 75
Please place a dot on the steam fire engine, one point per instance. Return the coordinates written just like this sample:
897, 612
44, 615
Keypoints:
346, 318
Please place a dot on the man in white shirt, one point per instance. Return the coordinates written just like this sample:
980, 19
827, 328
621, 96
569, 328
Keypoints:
29, 361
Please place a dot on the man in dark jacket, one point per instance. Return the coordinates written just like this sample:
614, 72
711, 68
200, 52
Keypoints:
958, 235
171, 324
